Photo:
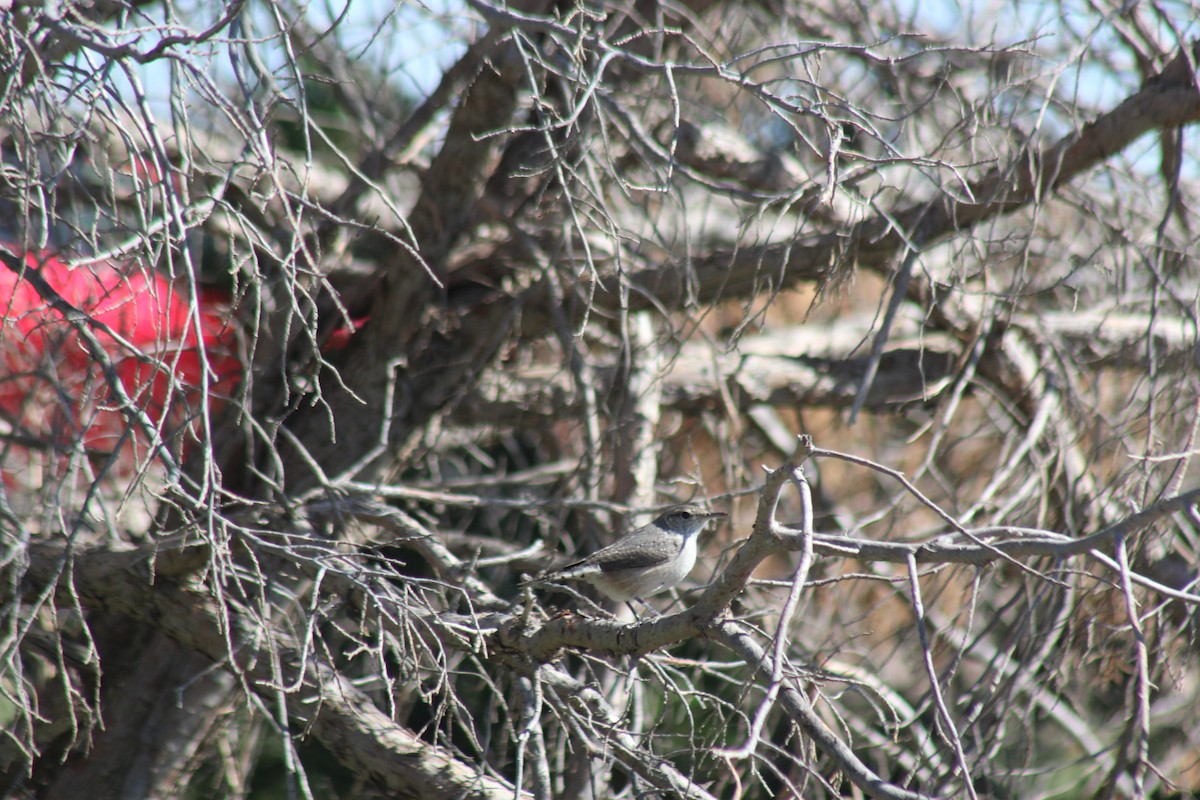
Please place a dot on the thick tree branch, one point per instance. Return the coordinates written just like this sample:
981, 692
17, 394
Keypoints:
421, 348
337, 712
1168, 100
809, 366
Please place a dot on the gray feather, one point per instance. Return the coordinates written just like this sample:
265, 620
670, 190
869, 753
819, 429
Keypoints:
652, 558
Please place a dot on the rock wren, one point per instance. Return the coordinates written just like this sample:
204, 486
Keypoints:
645, 562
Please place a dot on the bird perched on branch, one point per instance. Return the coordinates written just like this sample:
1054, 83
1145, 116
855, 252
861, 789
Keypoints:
640, 564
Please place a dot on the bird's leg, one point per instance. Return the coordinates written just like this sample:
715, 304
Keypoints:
653, 611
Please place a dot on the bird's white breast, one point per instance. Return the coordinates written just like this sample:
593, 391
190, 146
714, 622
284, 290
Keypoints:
687, 559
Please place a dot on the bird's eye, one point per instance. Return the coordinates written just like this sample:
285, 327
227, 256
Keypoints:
685, 514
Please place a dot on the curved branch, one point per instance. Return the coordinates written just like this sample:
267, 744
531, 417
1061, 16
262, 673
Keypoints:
1167, 100
803, 714
977, 547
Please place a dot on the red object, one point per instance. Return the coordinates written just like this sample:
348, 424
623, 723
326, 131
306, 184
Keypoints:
339, 337
53, 390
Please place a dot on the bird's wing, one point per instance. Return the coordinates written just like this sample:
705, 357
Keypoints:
618, 561
632, 553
